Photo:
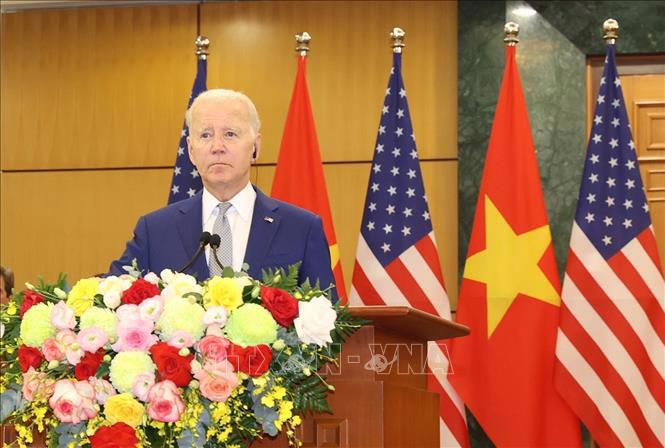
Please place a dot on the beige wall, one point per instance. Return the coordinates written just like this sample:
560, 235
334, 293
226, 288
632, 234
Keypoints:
93, 100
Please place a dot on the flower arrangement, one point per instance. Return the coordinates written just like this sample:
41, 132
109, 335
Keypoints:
157, 361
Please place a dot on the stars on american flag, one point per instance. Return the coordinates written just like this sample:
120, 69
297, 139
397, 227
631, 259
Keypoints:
610, 174
182, 185
396, 213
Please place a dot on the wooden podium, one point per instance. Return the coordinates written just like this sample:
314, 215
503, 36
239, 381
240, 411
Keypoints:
381, 397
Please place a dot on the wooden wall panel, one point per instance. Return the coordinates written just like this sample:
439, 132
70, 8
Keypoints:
347, 187
95, 87
104, 88
73, 221
252, 49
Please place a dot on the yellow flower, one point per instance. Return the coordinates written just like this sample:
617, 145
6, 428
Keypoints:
124, 408
82, 295
285, 410
226, 292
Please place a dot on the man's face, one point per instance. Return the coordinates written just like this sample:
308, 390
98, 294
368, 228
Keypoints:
221, 142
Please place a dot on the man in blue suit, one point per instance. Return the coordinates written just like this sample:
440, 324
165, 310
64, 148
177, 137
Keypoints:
223, 142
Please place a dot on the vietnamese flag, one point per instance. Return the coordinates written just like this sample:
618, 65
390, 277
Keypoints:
510, 293
299, 174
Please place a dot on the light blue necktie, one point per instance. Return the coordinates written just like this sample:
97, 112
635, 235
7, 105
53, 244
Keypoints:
225, 251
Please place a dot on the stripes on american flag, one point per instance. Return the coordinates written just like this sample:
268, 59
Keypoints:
610, 344
397, 262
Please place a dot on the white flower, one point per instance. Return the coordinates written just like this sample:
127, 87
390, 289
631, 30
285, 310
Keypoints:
112, 288
60, 293
2, 330
178, 285
151, 308
128, 311
152, 278
316, 319
112, 299
215, 315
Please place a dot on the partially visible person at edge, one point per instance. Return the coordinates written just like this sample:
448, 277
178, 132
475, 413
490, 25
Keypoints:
223, 142
6, 284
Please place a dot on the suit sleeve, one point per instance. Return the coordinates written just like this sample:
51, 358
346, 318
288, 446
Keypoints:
137, 248
316, 262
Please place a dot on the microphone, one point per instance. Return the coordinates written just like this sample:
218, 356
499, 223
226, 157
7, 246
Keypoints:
215, 241
204, 239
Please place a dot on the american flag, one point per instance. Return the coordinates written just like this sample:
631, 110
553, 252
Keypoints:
610, 351
186, 181
397, 262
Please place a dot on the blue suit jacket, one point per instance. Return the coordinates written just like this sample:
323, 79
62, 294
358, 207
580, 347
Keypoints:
280, 234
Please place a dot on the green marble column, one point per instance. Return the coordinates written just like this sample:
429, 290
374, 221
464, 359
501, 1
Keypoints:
554, 44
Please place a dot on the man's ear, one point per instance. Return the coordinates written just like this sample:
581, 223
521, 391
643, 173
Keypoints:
189, 150
257, 148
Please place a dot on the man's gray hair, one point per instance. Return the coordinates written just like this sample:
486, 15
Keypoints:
226, 94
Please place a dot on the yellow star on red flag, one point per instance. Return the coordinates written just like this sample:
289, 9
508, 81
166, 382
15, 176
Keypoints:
509, 265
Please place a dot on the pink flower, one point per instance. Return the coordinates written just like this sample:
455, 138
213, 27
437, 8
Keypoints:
62, 316
181, 339
103, 389
67, 341
213, 348
217, 380
52, 351
214, 330
151, 308
37, 385
72, 401
164, 402
92, 339
142, 385
135, 334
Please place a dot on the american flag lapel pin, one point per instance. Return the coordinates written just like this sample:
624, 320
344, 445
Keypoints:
268, 219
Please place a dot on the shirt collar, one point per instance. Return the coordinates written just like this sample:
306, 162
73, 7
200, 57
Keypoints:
242, 202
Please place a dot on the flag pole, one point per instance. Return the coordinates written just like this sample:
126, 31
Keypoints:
303, 43
202, 43
397, 35
510, 33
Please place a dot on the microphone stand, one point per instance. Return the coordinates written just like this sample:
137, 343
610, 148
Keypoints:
215, 241
203, 242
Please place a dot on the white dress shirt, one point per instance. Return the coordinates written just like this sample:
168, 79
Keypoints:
240, 220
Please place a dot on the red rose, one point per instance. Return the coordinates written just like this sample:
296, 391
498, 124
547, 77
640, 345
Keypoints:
254, 360
30, 298
88, 365
282, 306
29, 357
171, 365
139, 291
119, 435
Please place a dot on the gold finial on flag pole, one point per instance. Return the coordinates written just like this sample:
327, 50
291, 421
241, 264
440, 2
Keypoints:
202, 43
510, 32
303, 43
611, 29
397, 35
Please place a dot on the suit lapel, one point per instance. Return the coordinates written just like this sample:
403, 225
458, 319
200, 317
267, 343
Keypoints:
190, 226
265, 222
